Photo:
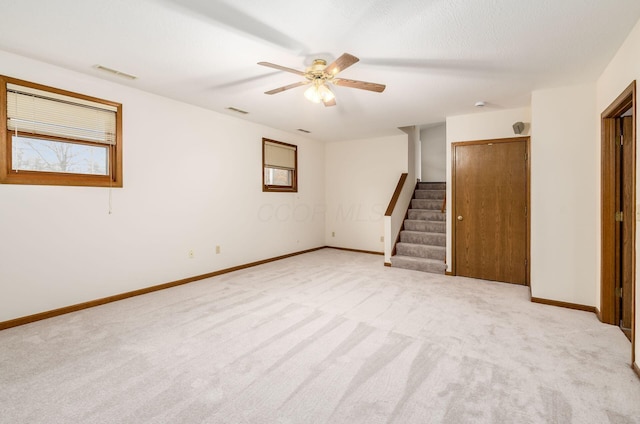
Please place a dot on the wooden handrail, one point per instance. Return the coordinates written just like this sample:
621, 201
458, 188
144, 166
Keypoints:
396, 195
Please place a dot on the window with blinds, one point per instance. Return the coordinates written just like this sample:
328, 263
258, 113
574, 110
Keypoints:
56, 137
279, 163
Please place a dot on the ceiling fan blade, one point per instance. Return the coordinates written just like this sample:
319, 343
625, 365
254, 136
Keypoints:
340, 64
233, 17
281, 68
362, 85
287, 87
331, 102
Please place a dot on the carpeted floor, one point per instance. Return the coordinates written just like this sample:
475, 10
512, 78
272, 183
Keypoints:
325, 337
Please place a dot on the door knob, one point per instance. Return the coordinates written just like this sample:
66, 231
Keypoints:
460, 218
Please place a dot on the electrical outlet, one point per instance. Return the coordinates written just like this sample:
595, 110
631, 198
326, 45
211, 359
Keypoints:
382, 239
191, 254
333, 233
217, 249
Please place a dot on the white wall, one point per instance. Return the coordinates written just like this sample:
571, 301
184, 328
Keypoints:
192, 183
434, 153
361, 176
479, 126
564, 195
393, 223
414, 164
621, 71
416, 155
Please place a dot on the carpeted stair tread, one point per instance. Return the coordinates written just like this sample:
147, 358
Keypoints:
431, 186
426, 215
422, 237
420, 251
429, 194
425, 226
430, 204
419, 264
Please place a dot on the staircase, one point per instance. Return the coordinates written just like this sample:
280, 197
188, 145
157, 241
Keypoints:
423, 236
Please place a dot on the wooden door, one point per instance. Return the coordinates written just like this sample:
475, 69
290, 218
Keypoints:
625, 187
490, 210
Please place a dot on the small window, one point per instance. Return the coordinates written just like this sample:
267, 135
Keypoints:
280, 162
55, 137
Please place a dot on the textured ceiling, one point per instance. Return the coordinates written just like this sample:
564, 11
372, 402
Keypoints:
437, 57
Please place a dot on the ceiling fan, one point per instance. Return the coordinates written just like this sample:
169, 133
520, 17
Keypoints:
320, 75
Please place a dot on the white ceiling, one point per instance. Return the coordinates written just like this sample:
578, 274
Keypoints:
437, 57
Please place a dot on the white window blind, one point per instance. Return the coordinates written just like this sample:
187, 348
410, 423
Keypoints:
279, 156
41, 112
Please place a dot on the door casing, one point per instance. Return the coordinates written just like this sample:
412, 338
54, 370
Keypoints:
609, 311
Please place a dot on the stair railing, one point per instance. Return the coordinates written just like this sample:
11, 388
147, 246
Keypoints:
396, 195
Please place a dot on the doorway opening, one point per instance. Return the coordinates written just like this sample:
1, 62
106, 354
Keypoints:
618, 283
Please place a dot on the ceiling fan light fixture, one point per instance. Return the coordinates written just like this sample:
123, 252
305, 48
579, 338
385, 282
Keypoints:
312, 94
319, 92
325, 93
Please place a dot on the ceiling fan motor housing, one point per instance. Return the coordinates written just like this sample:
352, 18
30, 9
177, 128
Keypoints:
316, 70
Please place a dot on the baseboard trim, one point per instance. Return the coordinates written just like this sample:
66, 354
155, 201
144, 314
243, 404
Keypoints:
449, 273
598, 314
636, 369
387, 264
92, 303
576, 306
370, 252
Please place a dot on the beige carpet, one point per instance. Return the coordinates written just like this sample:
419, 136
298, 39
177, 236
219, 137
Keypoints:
325, 337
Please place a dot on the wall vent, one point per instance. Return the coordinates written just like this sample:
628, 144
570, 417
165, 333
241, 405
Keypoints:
235, 109
114, 72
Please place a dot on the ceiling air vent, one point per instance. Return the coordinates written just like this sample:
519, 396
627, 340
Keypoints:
304, 131
235, 109
116, 73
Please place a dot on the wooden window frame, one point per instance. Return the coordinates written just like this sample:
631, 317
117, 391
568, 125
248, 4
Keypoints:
10, 176
293, 188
